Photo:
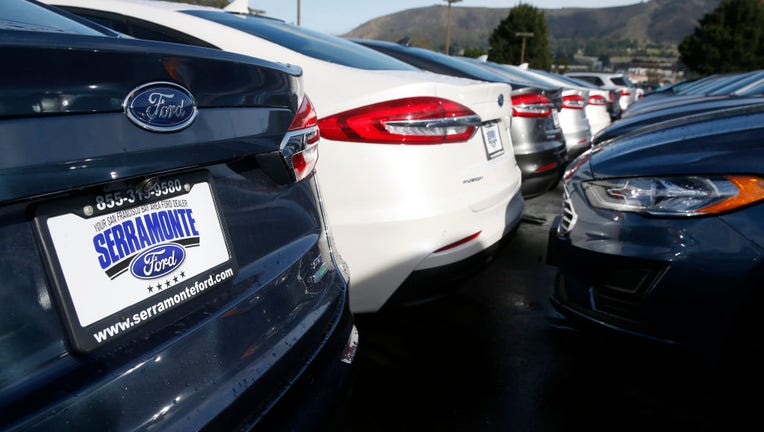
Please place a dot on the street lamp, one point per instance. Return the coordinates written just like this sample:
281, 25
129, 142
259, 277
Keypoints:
448, 25
522, 52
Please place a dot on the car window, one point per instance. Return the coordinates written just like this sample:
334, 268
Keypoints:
146, 30
436, 62
561, 80
32, 17
138, 28
579, 82
621, 81
307, 42
108, 22
592, 79
520, 75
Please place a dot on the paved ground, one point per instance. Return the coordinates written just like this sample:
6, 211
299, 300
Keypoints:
496, 357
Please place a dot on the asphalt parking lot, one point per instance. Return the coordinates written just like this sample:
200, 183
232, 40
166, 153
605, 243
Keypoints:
495, 356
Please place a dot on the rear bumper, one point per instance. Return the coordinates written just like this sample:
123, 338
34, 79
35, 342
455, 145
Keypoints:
318, 399
426, 284
392, 213
541, 171
232, 369
577, 144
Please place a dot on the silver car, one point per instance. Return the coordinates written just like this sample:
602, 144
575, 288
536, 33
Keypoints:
573, 118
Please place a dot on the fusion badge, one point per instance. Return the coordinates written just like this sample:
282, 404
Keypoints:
160, 107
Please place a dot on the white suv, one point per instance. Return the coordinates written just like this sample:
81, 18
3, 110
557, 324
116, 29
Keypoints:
612, 81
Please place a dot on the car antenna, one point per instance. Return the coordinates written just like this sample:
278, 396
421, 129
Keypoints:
405, 41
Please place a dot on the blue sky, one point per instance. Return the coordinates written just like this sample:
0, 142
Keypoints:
341, 16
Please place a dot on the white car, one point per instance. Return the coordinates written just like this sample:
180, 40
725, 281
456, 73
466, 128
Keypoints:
416, 169
611, 81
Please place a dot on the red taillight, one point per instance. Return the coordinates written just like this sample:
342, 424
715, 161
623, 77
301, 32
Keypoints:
597, 100
531, 105
625, 93
417, 120
546, 167
573, 102
460, 242
300, 146
306, 117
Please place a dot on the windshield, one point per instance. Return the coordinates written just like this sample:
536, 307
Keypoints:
307, 42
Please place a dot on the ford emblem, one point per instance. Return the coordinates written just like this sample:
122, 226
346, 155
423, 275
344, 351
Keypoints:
157, 261
160, 107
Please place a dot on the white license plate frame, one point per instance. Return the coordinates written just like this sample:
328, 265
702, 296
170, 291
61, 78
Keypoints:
494, 147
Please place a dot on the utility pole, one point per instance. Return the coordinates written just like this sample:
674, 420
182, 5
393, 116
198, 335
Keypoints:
448, 25
298, 13
522, 52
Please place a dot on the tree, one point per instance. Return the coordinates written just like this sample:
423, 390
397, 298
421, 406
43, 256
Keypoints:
507, 47
473, 52
729, 39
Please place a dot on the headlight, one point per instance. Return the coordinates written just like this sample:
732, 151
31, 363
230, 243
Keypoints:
675, 196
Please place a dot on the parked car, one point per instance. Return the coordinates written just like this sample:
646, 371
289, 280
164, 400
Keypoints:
739, 84
162, 270
573, 116
577, 104
611, 81
656, 118
661, 235
671, 88
597, 103
603, 107
416, 170
537, 139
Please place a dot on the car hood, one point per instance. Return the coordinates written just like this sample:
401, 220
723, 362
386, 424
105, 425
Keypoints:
646, 105
633, 123
718, 143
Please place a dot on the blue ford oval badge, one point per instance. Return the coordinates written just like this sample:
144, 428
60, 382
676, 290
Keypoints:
160, 107
157, 261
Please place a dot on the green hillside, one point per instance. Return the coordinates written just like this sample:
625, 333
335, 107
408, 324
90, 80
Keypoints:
656, 22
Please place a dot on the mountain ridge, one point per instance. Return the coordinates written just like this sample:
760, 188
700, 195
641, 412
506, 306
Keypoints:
659, 22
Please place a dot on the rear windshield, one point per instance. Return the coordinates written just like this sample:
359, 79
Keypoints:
307, 42
22, 15
434, 62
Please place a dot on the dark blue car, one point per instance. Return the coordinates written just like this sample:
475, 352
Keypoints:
703, 106
165, 261
661, 233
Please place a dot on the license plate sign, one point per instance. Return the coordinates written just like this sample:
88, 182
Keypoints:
555, 118
116, 270
492, 139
